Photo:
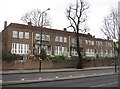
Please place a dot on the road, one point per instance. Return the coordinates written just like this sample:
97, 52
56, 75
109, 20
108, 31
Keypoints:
50, 75
102, 81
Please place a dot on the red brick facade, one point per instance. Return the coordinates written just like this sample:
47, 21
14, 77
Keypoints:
25, 39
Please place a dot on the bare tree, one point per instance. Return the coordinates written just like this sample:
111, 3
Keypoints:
76, 15
111, 30
37, 18
110, 25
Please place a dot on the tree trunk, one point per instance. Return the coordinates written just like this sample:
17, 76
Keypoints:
79, 65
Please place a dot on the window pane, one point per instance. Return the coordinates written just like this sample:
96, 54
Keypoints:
47, 37
61, 39
20, 34
15, 34
26, 35
57, 38
37, 36
65, 39
43, 37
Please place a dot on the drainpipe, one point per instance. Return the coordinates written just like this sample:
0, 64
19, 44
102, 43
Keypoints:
69, 47
32, 45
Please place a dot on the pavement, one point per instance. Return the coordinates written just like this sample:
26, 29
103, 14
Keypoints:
54, 70
23, 81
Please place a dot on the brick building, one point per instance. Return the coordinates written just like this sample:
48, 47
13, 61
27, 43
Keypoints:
26, 39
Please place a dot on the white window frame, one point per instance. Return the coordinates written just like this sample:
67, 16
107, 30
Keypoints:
26, 35
21, 34
90, 52
56, 38
37, 36
47, 38
65, 39
61, 39
18, 48
43, 37
15, 34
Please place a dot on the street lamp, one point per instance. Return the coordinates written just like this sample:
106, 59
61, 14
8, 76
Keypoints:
115, 60
41, 37
42, 24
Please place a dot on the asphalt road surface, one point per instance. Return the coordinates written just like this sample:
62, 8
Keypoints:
50, 75
102, 81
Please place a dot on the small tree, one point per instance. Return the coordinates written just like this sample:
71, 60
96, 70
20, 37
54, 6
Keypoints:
76, 15
43, 54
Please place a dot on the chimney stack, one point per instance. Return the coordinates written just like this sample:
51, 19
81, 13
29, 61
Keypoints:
30, 23
65, 29
5, 24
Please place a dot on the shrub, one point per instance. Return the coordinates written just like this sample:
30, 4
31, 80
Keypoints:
11, 57
43, 55
60, 57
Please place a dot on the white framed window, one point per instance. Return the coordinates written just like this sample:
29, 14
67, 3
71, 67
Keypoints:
59, 50
14, 48
47, 37
15, 34
48, 49
106, 53
20, 34
18, 48
61, 39
56, 50
37, 36
74, 52
65, 51
90, 52
111, 53
99, 43
65, 39
26, 35
56, 38
89, 42
92, 42
101, 53
43, 37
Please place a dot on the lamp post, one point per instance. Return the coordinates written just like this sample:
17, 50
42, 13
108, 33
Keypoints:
42, 24
115, 60
41, 37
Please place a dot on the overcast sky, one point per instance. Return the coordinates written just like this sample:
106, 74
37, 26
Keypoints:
12, 10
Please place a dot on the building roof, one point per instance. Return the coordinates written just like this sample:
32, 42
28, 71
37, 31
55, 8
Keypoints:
36, 28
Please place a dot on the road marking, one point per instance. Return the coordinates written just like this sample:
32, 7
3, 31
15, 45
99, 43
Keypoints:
56, 77
104, 84
22, 79
71, 76
40, 78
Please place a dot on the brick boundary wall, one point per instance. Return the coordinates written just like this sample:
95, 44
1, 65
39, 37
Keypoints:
48, 64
